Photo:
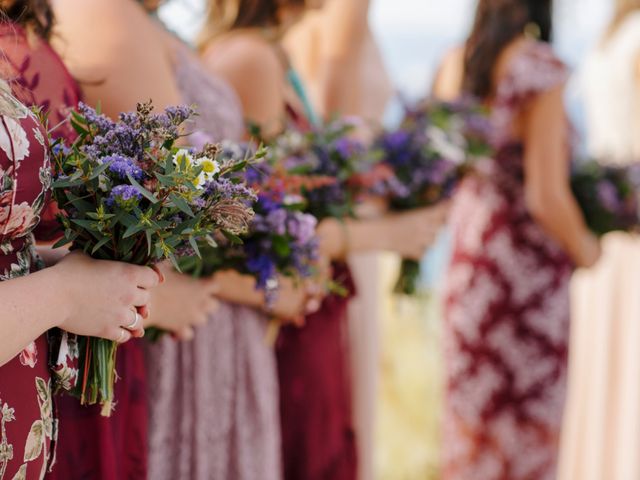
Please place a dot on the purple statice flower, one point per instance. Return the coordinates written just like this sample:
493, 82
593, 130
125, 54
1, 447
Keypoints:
277, 221
302, 227
101, 122
125, 196
225, 188
608, 196
262, 266
348, 147
122, 166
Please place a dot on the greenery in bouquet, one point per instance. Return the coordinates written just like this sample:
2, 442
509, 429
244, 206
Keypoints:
332, 153
128, 193
433, 148
281, 240
607, 195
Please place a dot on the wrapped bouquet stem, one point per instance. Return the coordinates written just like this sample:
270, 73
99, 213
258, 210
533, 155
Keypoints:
127, 193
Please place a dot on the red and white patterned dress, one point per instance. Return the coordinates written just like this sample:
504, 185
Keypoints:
507, 307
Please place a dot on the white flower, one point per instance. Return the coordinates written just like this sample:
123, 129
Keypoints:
445, 146
183, 159
209, 169
14, 134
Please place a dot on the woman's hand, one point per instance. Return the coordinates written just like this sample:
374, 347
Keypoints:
411, 233
590, 252
103, 298
182, 303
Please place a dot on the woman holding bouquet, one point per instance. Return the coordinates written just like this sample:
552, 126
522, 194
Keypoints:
203, 419
241, 41
95, 298
601, 438
518, 232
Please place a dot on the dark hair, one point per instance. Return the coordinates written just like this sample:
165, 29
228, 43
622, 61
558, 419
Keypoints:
496, 24
227, 15
36, 14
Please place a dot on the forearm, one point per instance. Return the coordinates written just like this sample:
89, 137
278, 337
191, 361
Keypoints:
338, 239
240, 289
49, 255
560, 216
24, 319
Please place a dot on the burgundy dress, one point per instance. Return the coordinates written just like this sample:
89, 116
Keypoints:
318, 435
27, 425
507, 308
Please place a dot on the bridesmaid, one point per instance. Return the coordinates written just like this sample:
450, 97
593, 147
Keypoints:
225, 381
121, 49
338, 59
92, 297
517, 234
207, 381
601, 438
242, 42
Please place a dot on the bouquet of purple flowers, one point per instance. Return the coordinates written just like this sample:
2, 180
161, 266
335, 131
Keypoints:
341, 164
127, 193
434, 147
281, 239
608, 196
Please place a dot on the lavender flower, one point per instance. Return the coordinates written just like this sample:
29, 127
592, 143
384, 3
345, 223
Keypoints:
124, 196
121, 166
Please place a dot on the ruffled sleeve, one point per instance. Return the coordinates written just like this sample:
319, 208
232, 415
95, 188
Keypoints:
534, 71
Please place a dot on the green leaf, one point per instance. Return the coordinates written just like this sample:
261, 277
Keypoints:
100, 244
132, 230
194, 245
234, 239
148, 233
88, 224
62, 242
174, 261
181, 203
146, 193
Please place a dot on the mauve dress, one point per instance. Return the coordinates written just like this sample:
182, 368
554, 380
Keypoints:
507, 307
213, 401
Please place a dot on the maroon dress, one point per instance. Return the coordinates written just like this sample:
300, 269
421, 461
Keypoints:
27, 425
507, 307
318, 436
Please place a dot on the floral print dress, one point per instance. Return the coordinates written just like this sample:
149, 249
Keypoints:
507, 307
27, 426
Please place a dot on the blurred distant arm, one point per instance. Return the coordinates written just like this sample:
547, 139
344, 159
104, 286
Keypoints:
547, 187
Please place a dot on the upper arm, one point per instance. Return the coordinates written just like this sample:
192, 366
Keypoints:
119, 60
253, 69
449, 77
546, 142
344, 25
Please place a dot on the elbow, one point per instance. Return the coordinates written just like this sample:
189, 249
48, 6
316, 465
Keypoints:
541, 203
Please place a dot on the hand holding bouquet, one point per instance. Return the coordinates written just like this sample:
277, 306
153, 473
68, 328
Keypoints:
127, 193
434, 147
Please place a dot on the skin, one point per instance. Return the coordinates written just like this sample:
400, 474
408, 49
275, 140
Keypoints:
250, 64
544, 130
334, 51
92, 297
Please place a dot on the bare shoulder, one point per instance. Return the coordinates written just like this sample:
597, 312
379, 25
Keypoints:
449, 78
243, 55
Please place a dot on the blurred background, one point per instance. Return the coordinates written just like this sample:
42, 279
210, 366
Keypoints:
408, 418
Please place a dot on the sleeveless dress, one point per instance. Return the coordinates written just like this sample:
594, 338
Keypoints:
318, 437
213, 401
38, 79
601, 440
507, 307
27, 426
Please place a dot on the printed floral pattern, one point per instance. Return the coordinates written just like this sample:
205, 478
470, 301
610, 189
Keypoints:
27, 423
507, 309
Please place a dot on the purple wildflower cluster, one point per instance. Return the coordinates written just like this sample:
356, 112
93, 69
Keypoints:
281, 241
